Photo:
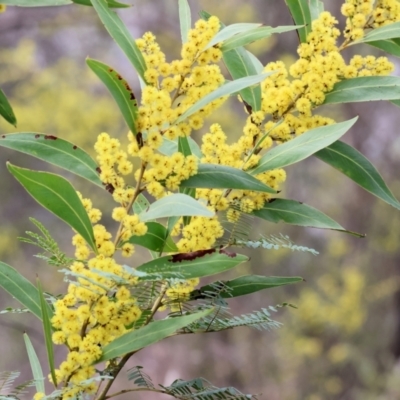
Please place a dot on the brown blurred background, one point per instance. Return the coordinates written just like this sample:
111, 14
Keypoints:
343, 340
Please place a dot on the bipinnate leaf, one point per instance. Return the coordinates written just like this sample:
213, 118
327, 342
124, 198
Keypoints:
215, 176
230, 31
185, 19
149, 334
250, 36
57, 195
21, 289
366, 88
295, 213
245, 285
121, 36
196, 264
47, 330
35, 365
119, 89
300, 10
155, 239
55, 151
224, 90
302, 146
357, 167
5, 109
175, 205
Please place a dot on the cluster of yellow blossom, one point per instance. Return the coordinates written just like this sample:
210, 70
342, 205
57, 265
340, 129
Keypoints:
87, 318
366, 14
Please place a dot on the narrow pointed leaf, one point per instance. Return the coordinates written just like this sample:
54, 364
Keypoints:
110, 3
21, 289
185, 19
256, 62
47, 3
302, 146
47, 330
240, 65
296, 213
57, 195
301, 15
357, 167
170, 147
121, 36
391, 46
215, 176
227, 32
224, 90
245, 285
316, 8
120, 91
175, 205
253, 35
141, 204
37, 372
368, 88
391, 31
5, 109
149, 334
55, 151
155, 239
190, 265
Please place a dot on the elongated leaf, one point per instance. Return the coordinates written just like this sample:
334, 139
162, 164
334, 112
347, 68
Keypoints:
316, 8
223, 177
256, 62
20, 288
119, 89
141, 204
190, 265
57, 195
155, 239
47, 330
175, 205
185, 19
5, 109
35, 365
245, 285
152, 333
391, 31
240, 65
357, 167
230, 31
121, 35
170, 147
301, 15
253, 35
46, 3
391, 46
55, 151
302, 146
224, 90
367, 88
295, 213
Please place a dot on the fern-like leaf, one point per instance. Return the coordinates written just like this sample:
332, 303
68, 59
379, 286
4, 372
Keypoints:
201, 389
275, 243
140, 378
52, 253
7, 391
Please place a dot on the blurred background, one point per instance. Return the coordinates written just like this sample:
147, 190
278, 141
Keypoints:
343, 340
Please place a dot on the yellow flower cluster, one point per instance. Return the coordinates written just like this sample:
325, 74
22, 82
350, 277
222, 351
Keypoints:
86, 319
3, 8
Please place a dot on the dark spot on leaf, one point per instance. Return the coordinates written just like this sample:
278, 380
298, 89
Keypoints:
132, 96
191, 256
75, 147
300, 202
37, 136
50, 137
98, 169
230, 254
110, 188
3, 136
119, 77
271, 200
110, 70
